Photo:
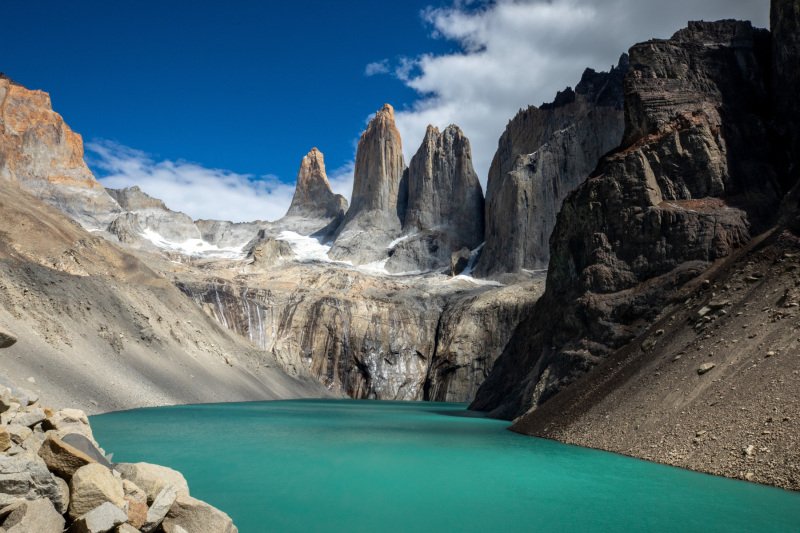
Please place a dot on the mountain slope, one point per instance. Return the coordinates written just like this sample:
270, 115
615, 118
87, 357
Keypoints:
100, 330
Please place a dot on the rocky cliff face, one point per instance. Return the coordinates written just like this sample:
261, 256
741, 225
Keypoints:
785, 25
445, 203
313, 197
43, 155
690, 183
380, 194
542, 156
368, 336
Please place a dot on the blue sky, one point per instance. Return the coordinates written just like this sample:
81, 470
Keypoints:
209, 103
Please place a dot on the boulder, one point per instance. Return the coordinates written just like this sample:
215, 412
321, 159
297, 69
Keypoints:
31, 516
67, 421
5, 439
88, 447
26, 477
137, 503
153, 478
705, 367
61, 458
24, 396
126, 528
159, 509
91, 486
29, 417
6, 340
18, 433
101, 519
195, 515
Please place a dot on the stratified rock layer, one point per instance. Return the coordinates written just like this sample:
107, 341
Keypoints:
377, 207
690, 182
43, 155
542, 156
445, 203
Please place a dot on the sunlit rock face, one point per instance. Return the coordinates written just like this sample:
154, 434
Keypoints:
380, 194
445, 204
43, 155
542, 156
691, 182
313, 197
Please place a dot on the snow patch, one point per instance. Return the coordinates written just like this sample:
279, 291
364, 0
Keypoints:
194, 247
306, 249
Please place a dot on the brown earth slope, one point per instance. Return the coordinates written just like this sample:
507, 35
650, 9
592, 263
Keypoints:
714, 385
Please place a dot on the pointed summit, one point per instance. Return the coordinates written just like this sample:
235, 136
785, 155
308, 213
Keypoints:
377, 207
313, 197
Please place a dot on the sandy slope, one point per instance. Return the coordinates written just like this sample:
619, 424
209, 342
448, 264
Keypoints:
100, 330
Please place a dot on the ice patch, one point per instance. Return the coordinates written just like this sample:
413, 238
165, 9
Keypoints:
194, 247
306, 249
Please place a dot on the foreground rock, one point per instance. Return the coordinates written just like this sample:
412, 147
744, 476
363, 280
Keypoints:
31, 516
191, 514
100, 497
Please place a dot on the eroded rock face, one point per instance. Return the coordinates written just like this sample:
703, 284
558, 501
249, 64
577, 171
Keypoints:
41, 153
543, 155
690, 183
313, 197
445, 203
380, 191
368, 336
785, 26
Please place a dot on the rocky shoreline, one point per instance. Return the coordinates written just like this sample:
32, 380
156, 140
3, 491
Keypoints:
55, 477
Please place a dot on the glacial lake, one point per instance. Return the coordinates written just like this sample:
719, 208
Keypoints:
368, 466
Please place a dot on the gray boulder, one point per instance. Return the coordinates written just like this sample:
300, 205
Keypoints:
101, 519
26, 477
31, 516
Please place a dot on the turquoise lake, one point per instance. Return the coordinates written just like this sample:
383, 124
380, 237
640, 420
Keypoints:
346, 465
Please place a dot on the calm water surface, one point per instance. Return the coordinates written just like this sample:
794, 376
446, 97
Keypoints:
344, 465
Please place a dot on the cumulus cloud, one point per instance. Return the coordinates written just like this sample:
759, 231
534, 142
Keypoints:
196, 190
514, 53
377, 67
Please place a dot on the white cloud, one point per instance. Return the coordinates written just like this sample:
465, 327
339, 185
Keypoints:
193, 189
514, 53
377, 67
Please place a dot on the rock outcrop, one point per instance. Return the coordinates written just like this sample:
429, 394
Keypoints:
690, 183
99, 497
313, 197
542, 156
380, 194
445, 203
43, 155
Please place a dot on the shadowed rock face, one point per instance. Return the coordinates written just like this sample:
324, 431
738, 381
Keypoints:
313, 197
692, 180
445, 203
542, 156
785, 24
380, 193
41, 153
